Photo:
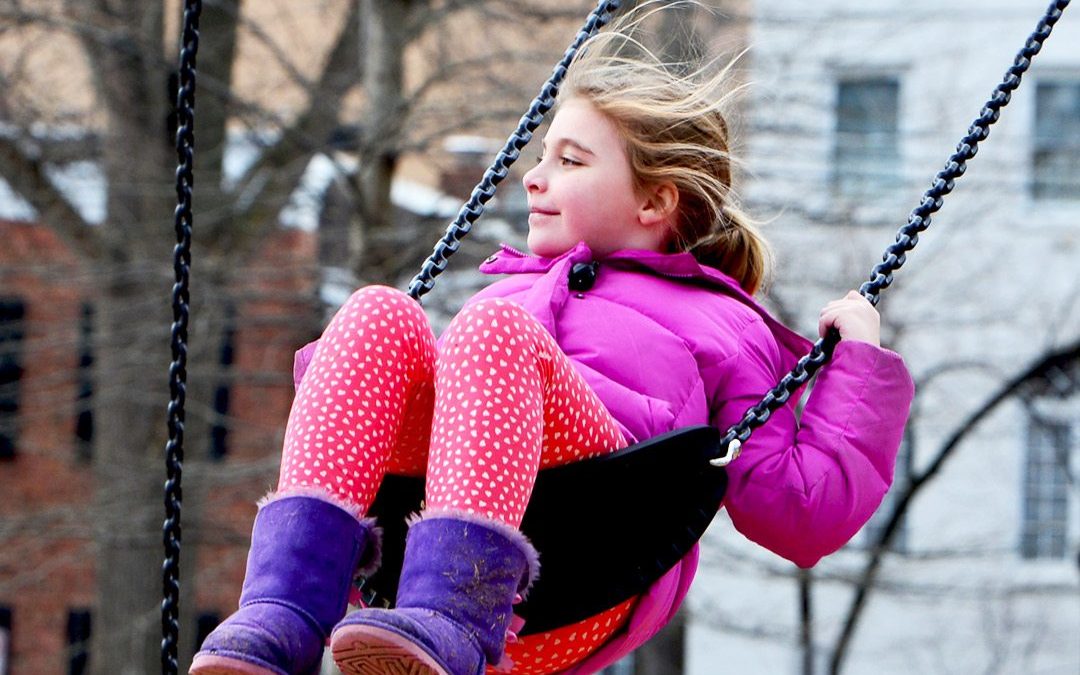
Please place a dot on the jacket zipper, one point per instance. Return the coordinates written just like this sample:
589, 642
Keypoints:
521, 254
511, 249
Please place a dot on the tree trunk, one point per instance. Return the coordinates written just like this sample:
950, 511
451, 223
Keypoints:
385, 32
132, 327
129, 433
806, 621
217, 50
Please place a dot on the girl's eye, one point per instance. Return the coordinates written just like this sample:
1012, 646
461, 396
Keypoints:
564, 160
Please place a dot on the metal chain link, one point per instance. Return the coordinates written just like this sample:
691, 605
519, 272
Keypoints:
896, 254
423, 282
174, 449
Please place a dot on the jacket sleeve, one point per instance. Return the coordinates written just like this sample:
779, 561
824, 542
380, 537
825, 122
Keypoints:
802, 490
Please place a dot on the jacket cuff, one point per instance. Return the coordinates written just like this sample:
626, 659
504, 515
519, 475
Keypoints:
884, 366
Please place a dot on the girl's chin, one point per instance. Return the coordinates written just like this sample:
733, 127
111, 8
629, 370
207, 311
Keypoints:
543, 252
540, 246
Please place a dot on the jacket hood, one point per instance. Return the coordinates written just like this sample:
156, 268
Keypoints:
509, 260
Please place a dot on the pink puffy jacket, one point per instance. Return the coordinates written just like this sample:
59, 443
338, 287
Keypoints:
666, 342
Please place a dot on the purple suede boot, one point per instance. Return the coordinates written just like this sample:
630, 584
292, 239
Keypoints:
458, 583
304, 554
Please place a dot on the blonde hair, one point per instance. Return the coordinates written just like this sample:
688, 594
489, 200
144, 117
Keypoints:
675, 131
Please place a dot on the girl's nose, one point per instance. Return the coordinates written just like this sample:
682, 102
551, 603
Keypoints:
534, 180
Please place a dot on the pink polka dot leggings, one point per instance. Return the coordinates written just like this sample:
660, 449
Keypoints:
479, 417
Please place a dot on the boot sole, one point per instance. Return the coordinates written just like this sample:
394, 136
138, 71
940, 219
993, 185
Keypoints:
207, 664
368, 650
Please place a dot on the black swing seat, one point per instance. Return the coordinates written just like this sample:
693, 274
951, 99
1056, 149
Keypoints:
606, 528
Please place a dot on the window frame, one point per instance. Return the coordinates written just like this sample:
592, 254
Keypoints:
13, 313
850, 179
1050, 144
1050, 440
80, 621
7, 621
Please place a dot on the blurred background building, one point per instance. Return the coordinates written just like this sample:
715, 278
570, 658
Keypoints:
853, 107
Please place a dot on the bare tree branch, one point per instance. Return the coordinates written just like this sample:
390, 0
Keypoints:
27, 177
1063, 357
280, 54
806, 620
516, 10
310, 131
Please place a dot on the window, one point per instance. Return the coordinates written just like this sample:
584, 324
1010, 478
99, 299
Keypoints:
867, 155
1046, 490
84, 420
219, 430
78, 641
5, 640
1056, 159
204, 623
11, 336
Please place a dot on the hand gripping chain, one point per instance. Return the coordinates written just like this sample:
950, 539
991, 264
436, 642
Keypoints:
174, 448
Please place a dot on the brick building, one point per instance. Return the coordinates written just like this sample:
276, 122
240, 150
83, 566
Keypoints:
41, 307
47, 570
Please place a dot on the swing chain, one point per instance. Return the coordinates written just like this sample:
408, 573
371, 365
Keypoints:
174, 448
461, 226
881, 277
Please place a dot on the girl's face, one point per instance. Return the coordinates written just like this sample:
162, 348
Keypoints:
582, 189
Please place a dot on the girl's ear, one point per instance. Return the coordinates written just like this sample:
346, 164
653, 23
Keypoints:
660, 204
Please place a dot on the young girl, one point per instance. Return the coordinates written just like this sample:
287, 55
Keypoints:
635, 175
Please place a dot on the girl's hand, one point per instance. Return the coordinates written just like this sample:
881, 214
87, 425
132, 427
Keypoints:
854, 317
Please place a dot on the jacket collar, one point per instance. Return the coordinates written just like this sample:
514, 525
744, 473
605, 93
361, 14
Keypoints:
509, 260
